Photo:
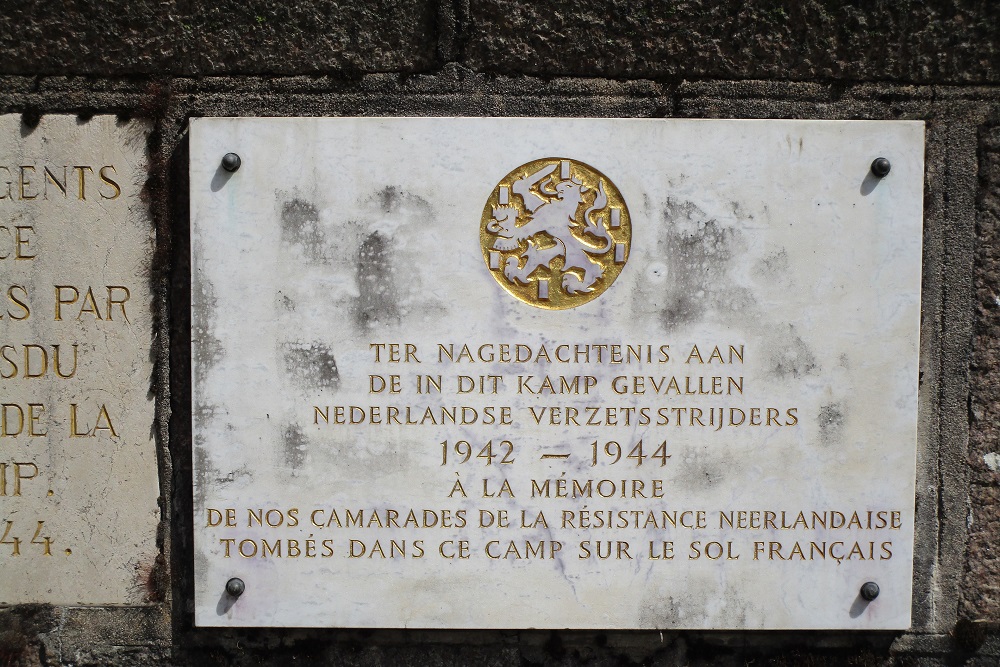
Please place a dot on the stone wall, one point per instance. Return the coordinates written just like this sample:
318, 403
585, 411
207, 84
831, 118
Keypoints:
165, 62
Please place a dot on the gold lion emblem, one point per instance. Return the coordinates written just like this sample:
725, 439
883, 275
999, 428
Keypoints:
555, 233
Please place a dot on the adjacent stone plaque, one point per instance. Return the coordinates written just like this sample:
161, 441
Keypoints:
527, 373
78, 473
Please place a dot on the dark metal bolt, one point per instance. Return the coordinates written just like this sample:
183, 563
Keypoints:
235, 587
880, 167
869, 590
232, 162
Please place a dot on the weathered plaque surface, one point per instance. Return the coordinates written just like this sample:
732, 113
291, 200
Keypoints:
501, 373
78, 475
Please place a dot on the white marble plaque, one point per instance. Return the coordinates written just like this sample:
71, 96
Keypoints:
555, 373
78, 470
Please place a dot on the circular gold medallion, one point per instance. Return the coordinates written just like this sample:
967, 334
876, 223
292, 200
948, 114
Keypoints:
555, 233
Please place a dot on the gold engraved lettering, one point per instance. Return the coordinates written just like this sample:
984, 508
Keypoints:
661, 550
24, 182
108, 180
19, 471
10, 411
227, 542
247, 548
391, 549
9, 182
35, 362
712, 551
7, 538
428, 384
273, 518
82, 180
395, 353
61, 301
56, 365
45, 542
20, 242
734, 355
6, 429
504, 491
20, 475
452, 549
50, 177
837, 551
604, 549
378, 384
319, 412
21, 303
102, 423
458, 488
527, 550
116, 295
217, 517
89, 305
58, 178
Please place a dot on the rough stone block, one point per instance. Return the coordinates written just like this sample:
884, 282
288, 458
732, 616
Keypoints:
234, 36
936, 41
78, 37
169, 38
981, 593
